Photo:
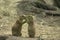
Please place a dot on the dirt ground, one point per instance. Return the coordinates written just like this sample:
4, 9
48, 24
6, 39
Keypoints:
47, 27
